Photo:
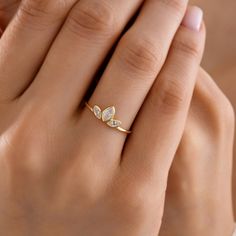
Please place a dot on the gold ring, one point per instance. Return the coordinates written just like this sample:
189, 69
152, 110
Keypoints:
107, 116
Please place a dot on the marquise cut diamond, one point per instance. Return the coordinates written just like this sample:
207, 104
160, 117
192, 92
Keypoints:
114, 123
108, 114
97, 112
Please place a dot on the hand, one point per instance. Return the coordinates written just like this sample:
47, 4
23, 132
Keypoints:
62, 171
199, 192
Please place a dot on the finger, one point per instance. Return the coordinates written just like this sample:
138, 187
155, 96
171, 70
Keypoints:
134, 67
207, 144
160, 125
26, 41
7, 10
89, 33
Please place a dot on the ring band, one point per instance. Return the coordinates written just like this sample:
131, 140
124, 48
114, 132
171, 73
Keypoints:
107, 116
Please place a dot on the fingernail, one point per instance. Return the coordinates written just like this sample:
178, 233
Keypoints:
193, 18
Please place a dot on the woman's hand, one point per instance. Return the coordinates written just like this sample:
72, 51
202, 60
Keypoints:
199, 192
63, 172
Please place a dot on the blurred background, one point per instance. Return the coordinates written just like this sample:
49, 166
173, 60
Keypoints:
220, 55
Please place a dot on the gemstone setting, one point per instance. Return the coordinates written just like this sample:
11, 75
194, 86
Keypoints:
97, 112
108, 114
107, 117
114, 123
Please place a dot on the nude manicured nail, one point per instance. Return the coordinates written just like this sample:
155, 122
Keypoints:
193, 18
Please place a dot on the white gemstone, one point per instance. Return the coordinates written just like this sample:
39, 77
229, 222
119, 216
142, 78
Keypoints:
97, 112
108, 114
114, 123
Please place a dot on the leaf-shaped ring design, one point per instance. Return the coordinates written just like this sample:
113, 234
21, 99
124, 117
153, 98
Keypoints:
107, 116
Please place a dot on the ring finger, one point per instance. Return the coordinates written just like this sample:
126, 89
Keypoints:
135, 65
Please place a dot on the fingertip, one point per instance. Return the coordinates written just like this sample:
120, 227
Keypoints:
191, 40
193, 18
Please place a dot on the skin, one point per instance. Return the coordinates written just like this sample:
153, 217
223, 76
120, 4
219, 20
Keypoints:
220, 53
7, 11
200, 177
130, 175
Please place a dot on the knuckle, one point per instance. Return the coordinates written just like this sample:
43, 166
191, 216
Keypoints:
139, 55
224, 112
188, 47
219, 108
15, 156
178, 6
33, 9
88, 191
171, 98
133, 204
129, 195
28, 122
43, 12
93, 18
